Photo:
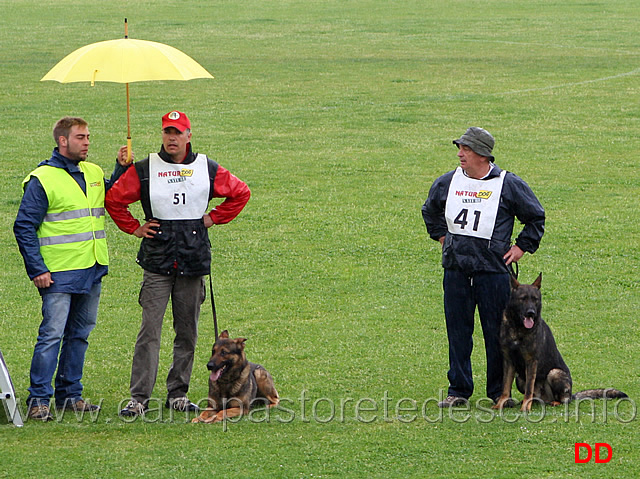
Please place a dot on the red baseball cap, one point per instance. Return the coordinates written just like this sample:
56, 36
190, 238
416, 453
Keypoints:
176, 119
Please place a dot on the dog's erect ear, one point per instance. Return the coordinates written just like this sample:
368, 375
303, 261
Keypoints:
514, 282
538, 281
240, 342
224, 334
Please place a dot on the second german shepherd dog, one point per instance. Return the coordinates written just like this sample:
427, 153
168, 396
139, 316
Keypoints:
235, 384
531, 355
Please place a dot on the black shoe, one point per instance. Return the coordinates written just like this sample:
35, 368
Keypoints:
181, 404
133, 409
453, 401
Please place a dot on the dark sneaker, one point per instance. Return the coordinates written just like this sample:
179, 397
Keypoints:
181, 404
133, 409
453, 401
79, 405
40, 412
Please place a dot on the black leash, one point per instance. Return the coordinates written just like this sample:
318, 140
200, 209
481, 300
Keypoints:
511, 270
213, 308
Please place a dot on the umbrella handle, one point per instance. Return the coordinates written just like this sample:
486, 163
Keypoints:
128, 122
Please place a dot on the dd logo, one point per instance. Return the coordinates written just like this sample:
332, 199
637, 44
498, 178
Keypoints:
597, 447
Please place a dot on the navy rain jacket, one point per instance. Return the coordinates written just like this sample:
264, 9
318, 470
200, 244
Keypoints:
474, 255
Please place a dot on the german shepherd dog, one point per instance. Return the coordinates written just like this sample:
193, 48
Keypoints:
532, 357
235, 384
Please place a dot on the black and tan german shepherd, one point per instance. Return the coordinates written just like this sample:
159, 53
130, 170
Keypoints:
531, 355
235, 384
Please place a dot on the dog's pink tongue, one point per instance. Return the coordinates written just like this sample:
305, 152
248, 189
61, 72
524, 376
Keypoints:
528, 323
215, 375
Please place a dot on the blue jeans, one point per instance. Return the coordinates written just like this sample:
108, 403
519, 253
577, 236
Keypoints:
462, 293
67, 319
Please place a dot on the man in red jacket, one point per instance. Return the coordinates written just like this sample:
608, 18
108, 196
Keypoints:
174, 187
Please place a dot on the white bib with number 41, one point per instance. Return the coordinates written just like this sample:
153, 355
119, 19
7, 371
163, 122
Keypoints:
472, 205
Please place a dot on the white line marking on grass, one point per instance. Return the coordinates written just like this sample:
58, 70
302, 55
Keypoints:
560, 46
564, 85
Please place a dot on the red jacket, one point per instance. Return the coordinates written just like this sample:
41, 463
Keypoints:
180, 246
127, 191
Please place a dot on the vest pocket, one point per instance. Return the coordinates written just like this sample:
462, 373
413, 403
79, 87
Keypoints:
194, 249
158, 254
180, 247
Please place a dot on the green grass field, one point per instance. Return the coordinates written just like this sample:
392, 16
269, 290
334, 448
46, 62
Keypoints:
339, 115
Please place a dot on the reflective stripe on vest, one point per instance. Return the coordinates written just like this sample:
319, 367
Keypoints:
72, 234
70, 215
75, 238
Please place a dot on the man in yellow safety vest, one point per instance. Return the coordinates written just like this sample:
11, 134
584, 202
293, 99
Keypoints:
60, 232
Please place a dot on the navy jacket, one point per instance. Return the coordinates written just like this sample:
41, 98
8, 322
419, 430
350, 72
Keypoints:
474, 255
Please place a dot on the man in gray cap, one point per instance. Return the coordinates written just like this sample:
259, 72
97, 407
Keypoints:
471, 212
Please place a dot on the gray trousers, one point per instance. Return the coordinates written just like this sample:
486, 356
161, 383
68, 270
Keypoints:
187, 295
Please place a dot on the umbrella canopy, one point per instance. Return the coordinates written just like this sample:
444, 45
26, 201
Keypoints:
126, 61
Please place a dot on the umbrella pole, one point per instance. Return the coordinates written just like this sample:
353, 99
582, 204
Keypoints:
126, 35
128, 129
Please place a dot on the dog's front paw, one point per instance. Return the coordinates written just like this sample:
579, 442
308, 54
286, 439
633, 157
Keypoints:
207, 416
526, 405
504, 402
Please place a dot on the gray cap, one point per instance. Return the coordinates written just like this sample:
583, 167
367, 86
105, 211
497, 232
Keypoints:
479, 140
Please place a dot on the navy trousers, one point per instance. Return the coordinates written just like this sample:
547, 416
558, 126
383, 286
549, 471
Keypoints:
489, 292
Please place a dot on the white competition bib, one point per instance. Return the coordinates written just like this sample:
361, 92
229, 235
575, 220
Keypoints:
178, 191
472, 205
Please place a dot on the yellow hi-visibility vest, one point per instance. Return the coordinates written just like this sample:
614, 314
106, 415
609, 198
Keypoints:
72, 235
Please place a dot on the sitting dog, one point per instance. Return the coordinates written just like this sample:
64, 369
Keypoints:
235, 384
531, 355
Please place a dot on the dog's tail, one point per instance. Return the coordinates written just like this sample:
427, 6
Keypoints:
608, 393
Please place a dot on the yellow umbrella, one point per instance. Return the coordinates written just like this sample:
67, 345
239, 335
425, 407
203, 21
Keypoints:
125, 61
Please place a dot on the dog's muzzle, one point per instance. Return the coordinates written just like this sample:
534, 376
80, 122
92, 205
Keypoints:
215, 375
